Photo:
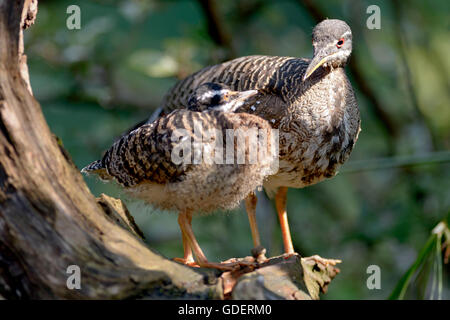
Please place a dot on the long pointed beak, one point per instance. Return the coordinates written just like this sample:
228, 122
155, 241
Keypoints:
318, 60
241, 96
237, 99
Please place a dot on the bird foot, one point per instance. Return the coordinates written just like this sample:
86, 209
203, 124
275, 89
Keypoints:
242, 263
187, 262
259, 254
232, 264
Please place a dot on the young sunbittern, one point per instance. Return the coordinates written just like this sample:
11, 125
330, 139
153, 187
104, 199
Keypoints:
186, 160
311, 102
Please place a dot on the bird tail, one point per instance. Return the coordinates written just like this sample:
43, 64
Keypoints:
97, 168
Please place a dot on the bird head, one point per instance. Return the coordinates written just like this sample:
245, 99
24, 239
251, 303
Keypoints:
332, 42
214, 96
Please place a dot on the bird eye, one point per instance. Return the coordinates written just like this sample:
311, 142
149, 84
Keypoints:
340, 43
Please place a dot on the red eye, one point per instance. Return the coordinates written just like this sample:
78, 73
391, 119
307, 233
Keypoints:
340, 43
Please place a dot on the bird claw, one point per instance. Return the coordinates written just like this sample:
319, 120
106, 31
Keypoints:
259, 254
247, 262
189, 263
224, 266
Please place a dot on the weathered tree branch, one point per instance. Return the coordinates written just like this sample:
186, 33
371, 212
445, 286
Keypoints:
49, 220
216, 29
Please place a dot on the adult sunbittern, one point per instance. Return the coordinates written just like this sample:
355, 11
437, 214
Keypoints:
182, 161
311, 102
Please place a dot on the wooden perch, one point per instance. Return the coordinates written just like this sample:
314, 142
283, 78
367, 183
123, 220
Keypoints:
49, 220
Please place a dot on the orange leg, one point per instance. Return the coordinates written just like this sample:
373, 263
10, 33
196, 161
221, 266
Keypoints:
188, 258
250, 206
184, 219
280, 202
258, 251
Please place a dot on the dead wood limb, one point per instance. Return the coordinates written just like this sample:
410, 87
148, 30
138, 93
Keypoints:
216, 29
48, 218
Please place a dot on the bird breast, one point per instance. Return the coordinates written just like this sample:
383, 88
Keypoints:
319, 131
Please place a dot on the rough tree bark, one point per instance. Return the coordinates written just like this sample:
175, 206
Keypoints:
49, 220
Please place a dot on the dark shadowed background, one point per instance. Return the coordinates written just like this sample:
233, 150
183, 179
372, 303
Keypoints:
96, 82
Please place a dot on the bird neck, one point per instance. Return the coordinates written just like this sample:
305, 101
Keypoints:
319, 88
334, 66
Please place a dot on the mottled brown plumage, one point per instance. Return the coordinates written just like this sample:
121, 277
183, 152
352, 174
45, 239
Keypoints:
161, 162
174, 163
141, 162
311, 102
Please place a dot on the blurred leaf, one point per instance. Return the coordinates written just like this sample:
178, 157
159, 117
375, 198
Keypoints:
432, 249
136, 10
437, 279
153, 63
402, 285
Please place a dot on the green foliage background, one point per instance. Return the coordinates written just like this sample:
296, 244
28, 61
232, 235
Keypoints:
96, 82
